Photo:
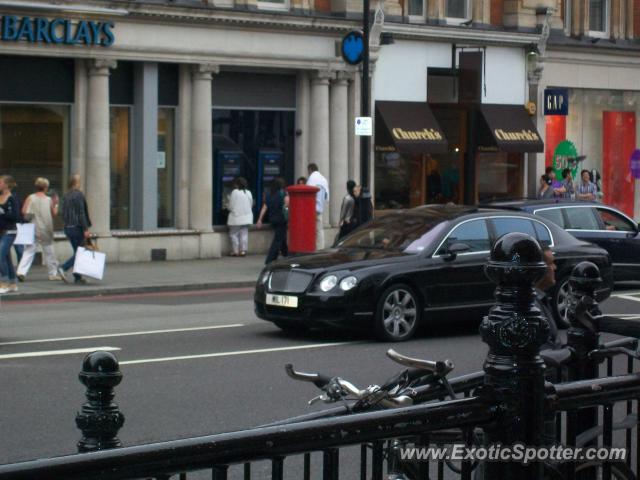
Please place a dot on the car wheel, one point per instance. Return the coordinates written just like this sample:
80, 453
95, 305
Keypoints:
397, 314
561, 303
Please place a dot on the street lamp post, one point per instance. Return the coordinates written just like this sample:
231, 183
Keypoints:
365, 104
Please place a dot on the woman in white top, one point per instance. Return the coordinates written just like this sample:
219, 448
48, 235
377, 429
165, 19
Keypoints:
40, 209
240, 217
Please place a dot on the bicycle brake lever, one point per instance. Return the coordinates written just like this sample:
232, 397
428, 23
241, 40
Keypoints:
319, 398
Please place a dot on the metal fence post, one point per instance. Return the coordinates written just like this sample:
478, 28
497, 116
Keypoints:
99, 419
514, 372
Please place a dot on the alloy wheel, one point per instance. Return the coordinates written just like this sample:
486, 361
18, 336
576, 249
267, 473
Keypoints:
399, 313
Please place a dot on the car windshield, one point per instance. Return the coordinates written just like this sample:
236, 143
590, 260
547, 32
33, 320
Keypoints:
409, 234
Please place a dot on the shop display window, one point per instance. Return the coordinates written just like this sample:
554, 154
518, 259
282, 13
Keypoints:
166, 168
499, 176
34, 142
120, 148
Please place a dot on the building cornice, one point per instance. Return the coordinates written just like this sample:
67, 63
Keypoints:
580, 56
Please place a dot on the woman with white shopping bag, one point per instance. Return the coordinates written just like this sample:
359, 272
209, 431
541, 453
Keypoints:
40, 209
76, 225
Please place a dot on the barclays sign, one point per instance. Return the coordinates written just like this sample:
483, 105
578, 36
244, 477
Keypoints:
56, 31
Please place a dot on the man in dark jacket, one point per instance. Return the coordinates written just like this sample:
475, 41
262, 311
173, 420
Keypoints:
76, 224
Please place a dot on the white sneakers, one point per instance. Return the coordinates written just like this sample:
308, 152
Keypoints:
8, 288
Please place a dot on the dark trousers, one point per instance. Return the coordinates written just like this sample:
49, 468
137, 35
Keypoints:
76, 239
7, 271
279, 243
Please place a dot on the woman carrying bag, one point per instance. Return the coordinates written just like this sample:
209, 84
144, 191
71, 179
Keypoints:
240, 217
40, 209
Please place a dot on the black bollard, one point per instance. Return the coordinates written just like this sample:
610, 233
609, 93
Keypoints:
100, 419
583, 312
514, 372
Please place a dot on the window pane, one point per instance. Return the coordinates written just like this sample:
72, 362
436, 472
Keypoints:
416, 7
554, 215
120, 170
582, 219
615, 222
457, 8
597, 15
34, 142
543, 234
473, 233
166, 168
507, 225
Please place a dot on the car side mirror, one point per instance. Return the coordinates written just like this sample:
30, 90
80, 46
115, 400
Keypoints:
455, 249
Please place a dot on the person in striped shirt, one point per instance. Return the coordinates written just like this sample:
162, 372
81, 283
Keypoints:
586, 189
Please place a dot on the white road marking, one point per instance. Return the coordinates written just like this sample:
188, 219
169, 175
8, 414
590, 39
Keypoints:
110, 335
627, 297
48, 353
237, 352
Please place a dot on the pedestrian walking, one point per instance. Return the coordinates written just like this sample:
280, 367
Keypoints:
316, 179
586, 189
76, 224
276, 204
11, 183
545, 191
8, 218
40, 209
240, 217
347, 211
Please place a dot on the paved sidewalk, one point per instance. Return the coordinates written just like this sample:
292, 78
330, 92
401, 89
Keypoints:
121, 278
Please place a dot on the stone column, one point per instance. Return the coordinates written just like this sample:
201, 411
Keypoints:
339, 131
183, 147
302, 125
354, 142
319, 123
201, 192
78, 145
98, 168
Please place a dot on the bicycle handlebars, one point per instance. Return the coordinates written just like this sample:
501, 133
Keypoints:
440, 368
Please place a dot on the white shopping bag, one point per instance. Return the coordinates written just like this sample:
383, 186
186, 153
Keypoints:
26, 234
89, 263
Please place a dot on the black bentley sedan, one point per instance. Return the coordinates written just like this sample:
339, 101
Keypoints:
398, 271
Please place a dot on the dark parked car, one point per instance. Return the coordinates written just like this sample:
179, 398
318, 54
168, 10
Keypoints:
597, 223
398, 271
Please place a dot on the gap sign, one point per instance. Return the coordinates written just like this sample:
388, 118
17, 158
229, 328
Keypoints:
556, 101
56, 31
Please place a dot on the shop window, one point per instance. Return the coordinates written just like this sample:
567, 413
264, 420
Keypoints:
599, 18
166, 168
416, 10
457, 11
499, 176
120, 167
274, 5
34, 142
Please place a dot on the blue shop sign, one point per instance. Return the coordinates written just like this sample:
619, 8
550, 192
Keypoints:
556, 101
352, 47
56, 31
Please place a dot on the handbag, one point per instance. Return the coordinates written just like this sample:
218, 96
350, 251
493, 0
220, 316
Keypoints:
26, 234
90, 263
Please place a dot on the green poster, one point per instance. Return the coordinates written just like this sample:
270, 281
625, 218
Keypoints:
565, 156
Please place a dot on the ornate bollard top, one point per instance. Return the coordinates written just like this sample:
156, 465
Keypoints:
514, 326
585, 276
586, 291
100, 369
516, 258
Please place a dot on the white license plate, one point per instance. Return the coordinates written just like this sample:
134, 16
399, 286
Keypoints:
282, 300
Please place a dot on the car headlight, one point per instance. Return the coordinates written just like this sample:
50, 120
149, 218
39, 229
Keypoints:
264, 277
328, 283
348, 283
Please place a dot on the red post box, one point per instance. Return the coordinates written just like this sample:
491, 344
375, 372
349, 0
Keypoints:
302, 218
